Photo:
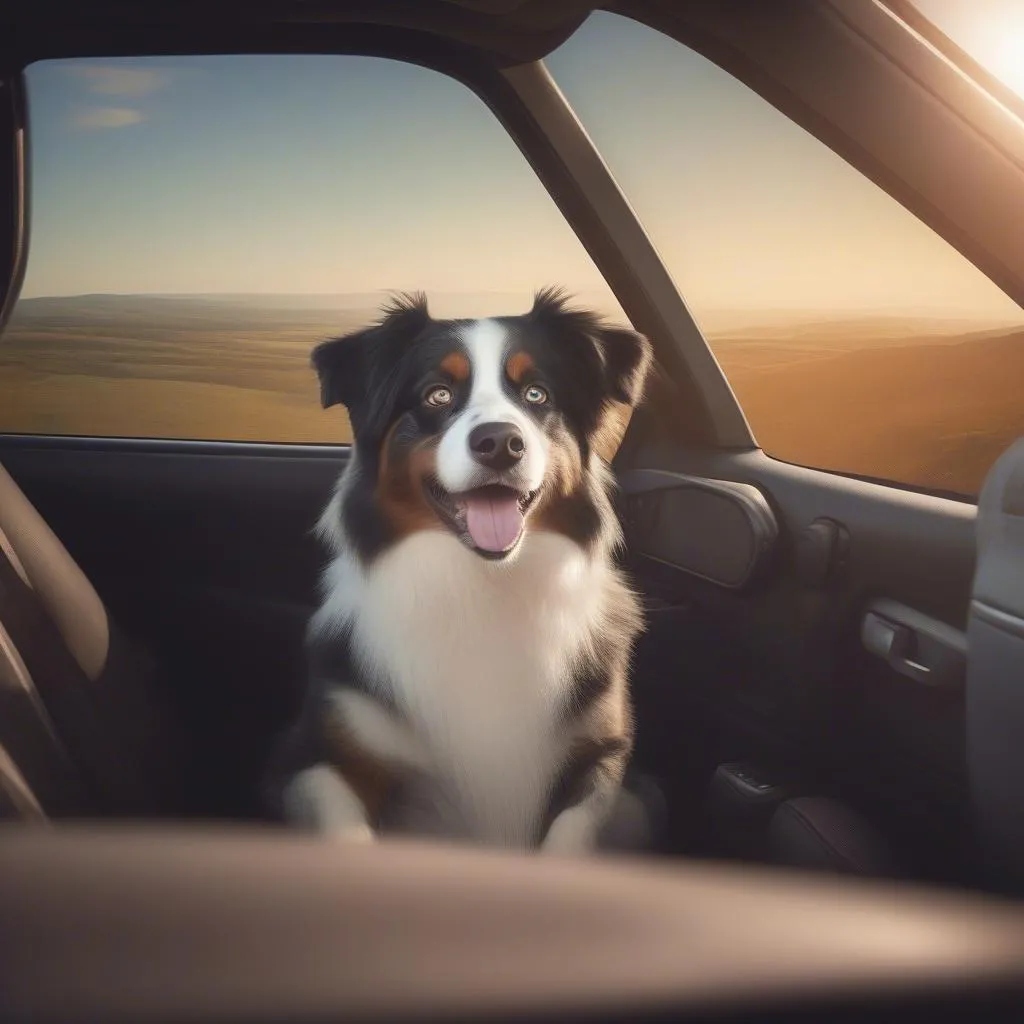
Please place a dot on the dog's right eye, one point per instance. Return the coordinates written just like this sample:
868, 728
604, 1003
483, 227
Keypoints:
438, 396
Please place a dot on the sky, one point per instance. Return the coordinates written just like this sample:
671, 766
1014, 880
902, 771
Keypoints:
309, 174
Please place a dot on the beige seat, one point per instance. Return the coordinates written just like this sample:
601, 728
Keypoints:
85, 725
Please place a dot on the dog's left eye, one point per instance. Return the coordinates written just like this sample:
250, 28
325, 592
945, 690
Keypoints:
438, 396
535, 395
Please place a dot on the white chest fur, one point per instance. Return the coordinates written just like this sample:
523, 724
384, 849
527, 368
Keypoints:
478, 655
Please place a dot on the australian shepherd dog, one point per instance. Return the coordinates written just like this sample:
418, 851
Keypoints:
469, 659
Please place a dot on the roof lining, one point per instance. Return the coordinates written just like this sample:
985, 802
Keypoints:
529, 31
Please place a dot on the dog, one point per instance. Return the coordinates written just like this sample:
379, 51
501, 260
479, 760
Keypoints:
468, 662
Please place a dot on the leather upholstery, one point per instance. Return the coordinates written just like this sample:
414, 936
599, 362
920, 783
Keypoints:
817, 833
16, 797
44, 563
85, 727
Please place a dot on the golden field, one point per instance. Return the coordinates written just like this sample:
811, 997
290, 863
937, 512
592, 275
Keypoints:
922, 403
933, 411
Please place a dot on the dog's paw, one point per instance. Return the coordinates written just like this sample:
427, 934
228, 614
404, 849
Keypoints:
572, 834
320, 801
357, 835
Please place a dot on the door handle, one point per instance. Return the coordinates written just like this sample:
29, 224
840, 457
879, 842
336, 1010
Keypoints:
915, 645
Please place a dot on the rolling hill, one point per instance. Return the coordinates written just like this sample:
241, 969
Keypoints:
925, 402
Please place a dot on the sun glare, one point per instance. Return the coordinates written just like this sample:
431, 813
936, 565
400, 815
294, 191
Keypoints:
1007, 60
991, 31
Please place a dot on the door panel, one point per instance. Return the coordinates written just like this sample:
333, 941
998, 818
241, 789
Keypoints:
206, 553
777, 671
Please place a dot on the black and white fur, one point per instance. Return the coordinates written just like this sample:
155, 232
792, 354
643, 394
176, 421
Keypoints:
463, 691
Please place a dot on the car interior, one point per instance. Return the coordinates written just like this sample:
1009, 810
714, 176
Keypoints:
829, 692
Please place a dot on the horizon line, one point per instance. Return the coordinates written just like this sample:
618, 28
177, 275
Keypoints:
717, 311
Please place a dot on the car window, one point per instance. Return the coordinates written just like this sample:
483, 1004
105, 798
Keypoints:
856, 339
198, 224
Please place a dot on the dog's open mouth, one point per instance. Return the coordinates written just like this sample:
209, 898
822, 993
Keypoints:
490, 519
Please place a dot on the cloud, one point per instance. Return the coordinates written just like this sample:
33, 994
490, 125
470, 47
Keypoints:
106, 80
107, 117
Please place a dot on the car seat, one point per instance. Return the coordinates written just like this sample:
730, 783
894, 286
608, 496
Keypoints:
86, 728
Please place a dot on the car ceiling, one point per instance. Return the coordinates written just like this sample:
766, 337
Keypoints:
513, 31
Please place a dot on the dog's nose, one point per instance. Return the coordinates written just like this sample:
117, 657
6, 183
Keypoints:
497, 445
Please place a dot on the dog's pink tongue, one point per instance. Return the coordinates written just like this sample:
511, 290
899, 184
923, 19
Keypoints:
494, 523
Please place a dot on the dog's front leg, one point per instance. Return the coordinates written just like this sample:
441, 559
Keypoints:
342, 763
584, 795
320, 800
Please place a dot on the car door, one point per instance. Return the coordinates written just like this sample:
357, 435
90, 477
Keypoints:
810, 591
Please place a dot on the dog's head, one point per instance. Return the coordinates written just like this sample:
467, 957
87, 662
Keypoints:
484, 427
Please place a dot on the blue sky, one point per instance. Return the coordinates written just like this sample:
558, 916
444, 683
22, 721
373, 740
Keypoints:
347, 174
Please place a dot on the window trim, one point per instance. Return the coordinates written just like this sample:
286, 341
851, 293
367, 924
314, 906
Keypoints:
171, 446
911, 15
14, 184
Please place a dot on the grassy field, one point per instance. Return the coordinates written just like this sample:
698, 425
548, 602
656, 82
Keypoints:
929, 410
169, 368
930, 404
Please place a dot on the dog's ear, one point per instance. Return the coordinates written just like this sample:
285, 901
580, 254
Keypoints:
339, 366
615, 359
625, 355
627, 361
354, 369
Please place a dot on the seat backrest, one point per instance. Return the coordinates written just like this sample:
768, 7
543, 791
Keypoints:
61, 587
995, 667
85, 729
17, 798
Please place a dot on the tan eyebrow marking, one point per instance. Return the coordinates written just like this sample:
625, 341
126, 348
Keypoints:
519, 363
456, 365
